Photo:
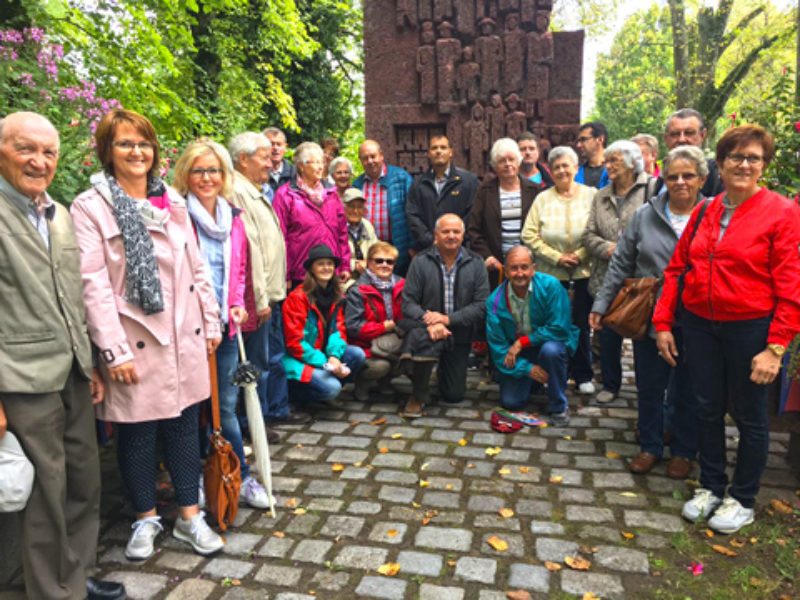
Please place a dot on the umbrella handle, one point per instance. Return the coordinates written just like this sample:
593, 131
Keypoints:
242, 353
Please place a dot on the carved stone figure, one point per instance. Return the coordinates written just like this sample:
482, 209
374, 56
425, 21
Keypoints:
424, 11
406, 12
476, 139
448, 54
516, 120
542, 21
527, 12
489, 53
514, 55
496, 114
506, 5
538, 86
540, 48
442, 9
468, 77
426, 65
465, 16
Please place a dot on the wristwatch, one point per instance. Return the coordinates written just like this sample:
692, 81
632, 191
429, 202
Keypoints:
777, 349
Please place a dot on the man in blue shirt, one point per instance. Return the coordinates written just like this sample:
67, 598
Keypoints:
591, 144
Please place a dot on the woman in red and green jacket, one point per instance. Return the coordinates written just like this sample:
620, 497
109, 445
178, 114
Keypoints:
318, 360
741, 308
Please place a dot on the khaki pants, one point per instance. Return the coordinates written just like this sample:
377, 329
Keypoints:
61, 522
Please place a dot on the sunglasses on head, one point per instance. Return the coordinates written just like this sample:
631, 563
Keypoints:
383, 261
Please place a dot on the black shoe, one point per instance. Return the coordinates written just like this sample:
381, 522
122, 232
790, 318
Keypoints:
291, 418
273, 437
104, 590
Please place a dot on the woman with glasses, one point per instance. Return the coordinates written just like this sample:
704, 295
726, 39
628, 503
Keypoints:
203, 175
644, 250
740, 310
340, 173
311, 214
153, 317
372, 310
612, 209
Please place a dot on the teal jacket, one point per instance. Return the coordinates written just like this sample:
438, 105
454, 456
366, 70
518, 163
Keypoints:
550, 321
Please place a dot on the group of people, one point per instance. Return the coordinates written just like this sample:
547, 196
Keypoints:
331, 280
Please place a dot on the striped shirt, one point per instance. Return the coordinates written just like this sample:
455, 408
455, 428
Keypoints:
511, 218
449, 280
377, 205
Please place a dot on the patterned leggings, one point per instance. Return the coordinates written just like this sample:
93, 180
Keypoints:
136, 456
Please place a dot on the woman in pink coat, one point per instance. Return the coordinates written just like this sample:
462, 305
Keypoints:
310, 214
152, 315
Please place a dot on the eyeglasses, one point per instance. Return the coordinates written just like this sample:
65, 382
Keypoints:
614, 160
752, 159
211, 172
584, 139
383, 261
128, 146
687, 177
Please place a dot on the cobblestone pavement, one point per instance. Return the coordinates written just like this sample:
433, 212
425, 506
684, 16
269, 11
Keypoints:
426, 495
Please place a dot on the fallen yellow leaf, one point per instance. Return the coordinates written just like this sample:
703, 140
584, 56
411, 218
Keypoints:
552, 566
337, 467
737, 543
380, 421
567, 437
612, 454
577, 563
627, 535
300, 511
518, 595
354, 423
449, 486
627, 494
493, 451
290, 503
462, 442
724, 550
426, 520
506, 513
383, 450
236, 582
415, 504
505, 471
556, 479
389, 569
524, 469
397, 436
358, 464
278, 534
452, 563
781, 506
423, 483
392, 533
753, 540
470, 466
709, 533
498, 544
589, 596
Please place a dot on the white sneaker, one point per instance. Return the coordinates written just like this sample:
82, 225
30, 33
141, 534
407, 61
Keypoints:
253, 493
604, 397
196, 532
731, 516
140, 544
587, 387
201, 493
702, 505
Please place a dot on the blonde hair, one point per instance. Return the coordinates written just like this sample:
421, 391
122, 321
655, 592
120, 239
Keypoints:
196, 149
382, 247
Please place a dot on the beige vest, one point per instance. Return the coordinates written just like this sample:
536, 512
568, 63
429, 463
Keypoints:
42, 316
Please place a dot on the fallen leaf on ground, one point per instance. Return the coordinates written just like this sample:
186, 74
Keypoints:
426, 520
452, 463
589, 596
709, 533
449, 486
380, 421
518, 595
498, 544
392, 533
627, 494
290, 503
781, 506
278, 534
577, 563
781, 542
506, 513
695, 568
416, 504
462, 442
556, 479
337, 467
235, 582
397, 436
389, 569
431, 513
300, 511
753, 540
584, 549
737, 543
756, 582
298, 445
552, 566
612, 454
627, 535
424, 466
383, 450
505, 471
470, 466
567, 437
692, 482
452, 563
354, 423
357, 464
493, 451
423, 483
724, 550
524, 469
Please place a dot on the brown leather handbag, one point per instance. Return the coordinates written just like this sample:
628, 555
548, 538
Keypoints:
632, 310
222, 475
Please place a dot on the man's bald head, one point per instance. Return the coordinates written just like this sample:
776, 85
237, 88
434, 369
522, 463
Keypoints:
26, 120
28, 152
371, 157
519, 251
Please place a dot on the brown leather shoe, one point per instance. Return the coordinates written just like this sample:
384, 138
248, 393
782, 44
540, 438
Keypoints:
679, 467
413, 409
643, 462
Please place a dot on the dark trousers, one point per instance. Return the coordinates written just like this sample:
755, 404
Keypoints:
62, 518
719, 355
610, 359
136, 456
553, 358
325, 386
580, 363
265, 348
654, 378
452, 375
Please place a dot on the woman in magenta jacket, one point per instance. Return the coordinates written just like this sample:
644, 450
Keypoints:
741, 308
311, 214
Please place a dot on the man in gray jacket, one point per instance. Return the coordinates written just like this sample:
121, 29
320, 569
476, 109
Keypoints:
47, 383
443, 298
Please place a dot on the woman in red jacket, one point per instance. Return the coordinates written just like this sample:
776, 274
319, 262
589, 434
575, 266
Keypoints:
741, 301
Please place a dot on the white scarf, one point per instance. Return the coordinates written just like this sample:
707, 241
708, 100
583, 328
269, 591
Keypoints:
210, 230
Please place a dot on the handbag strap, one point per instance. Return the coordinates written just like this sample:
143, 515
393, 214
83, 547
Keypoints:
212, 372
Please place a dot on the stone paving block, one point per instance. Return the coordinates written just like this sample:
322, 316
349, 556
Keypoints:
302, 524
492, 486
396, 461
325, 505
589, 513
391, 445
370, 431
285, 484
529, 577
303, 453
276, 547
490, 521
439, 465
623, 413
534, 508
312, 551
516, 544
546, 528
329, 426
179, 561
613, 480
354, 473
321, 487
483, 503
429, 448
451, 517
449, 484
473, 425
441, 499
363, 507
380, 532
243, 593
371, 586
567, 494
438, 422
277, 575
238, 544
457, 540
462, 413
393, 493
307, 439
218, 568
653, 520
409, 433
520, 473
489, 439
575, 446
481, 570
192, 589
391, 476
616, 497
599, 463
622, 559
663, 485
529, 442
553, 459
600, 435
590, 411
491, 595
406, 513
580, 421
558, 432
605, 586
446, 435
361, 557
651, 541
470, 452
600, 532
347, 457
419, 563
479, 468
514, 455
116, 555
342, 526
554, 549
675, 505
348, 441
569, 476
529, 490
428, 591
139, 586
623, 449
330, 580
315, 470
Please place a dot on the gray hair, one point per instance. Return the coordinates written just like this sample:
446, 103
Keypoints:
504, 146
26, 114
685, 113
647, 140
247, 143
302, 152
518, 248
692, 154
273, 131
560, 152
631, 154
448, 216
339, 160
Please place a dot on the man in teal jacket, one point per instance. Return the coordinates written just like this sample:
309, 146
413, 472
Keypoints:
530, 335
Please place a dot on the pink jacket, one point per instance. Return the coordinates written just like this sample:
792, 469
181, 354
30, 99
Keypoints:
304, 224
168, 348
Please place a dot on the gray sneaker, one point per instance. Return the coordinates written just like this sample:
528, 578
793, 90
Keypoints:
604, 397
196, 532
703, 504
140, 544
731, 516
559, 419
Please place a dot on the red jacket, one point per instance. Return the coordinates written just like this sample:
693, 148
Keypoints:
365, 312
752, 272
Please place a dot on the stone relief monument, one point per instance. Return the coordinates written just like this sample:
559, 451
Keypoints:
473, 69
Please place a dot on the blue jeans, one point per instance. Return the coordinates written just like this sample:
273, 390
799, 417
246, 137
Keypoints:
265, 348
323, 385
552, 357
719, 355
610, 360
227, 361
580, 363
654, 378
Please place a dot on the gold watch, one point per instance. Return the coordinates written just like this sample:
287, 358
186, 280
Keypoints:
777, 349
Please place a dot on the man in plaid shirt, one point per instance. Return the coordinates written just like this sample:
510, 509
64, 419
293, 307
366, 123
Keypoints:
385, 188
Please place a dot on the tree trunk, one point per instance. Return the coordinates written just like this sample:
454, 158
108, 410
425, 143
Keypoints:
680, 53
